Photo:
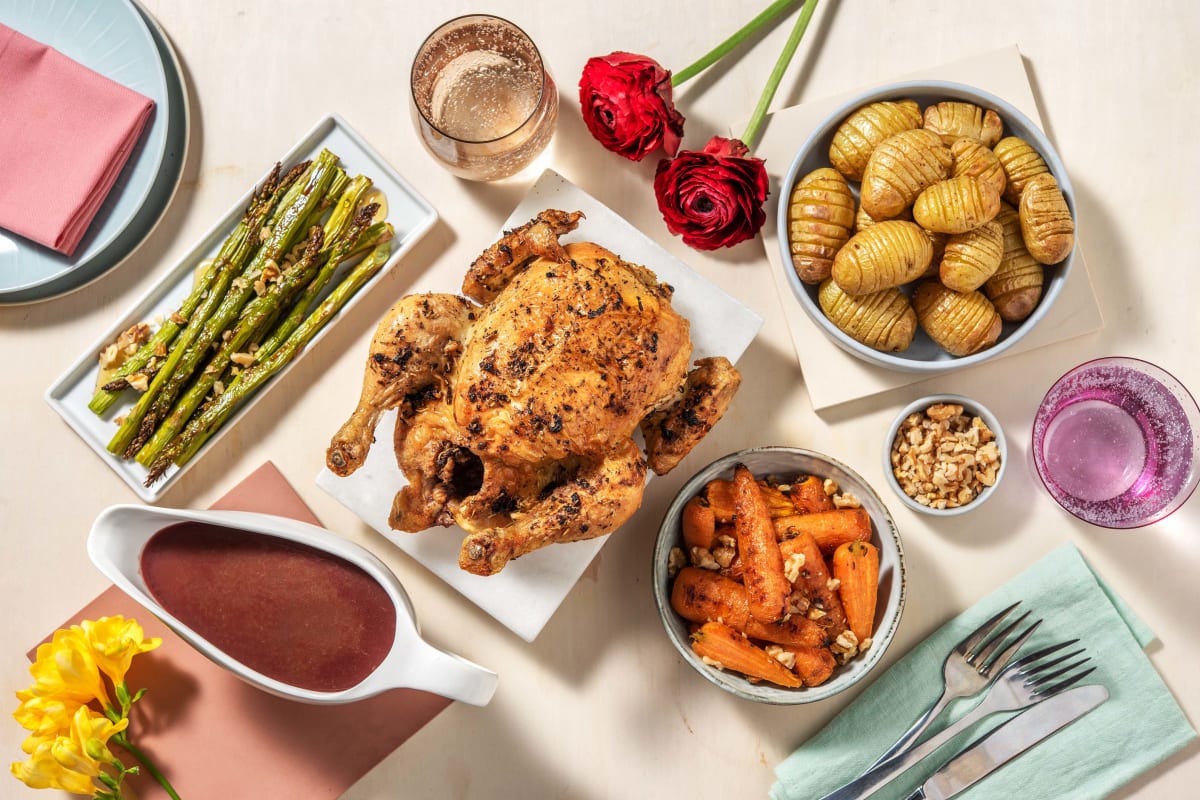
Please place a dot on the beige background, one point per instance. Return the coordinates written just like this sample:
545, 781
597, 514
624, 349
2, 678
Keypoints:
599, 705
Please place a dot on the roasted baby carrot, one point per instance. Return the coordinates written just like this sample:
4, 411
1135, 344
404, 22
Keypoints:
813, 665
731, 650
829, 528
699, 595
762, 565
856, 567
809, 495
813, 583
699, 524
720, 495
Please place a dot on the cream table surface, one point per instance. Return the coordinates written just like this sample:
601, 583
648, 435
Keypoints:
600, 705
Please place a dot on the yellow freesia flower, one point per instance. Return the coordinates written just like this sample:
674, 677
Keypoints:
65, 668
114, 641
46, 717
42, 771
71, 761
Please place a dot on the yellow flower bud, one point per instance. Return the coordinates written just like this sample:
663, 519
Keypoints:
114, 641
65, 668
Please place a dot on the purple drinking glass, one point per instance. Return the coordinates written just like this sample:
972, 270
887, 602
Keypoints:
1116, 442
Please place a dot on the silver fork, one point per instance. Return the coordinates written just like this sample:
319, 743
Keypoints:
1024, 682
969, 669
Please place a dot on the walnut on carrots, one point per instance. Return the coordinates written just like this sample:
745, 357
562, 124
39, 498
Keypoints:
778, 579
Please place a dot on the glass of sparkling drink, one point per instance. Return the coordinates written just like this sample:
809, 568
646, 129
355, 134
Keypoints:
1116, 441
483, 103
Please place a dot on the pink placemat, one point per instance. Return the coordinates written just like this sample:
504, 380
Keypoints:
217, 737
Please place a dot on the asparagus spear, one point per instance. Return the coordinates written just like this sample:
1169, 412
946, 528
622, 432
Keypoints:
353, 228
156, 402
185, 445
260, 313
256, 212
250, 326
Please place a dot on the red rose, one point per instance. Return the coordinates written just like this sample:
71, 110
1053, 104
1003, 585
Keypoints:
626, 104
713, 198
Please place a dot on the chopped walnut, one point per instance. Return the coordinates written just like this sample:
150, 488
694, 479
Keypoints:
830, 487
832, 584
702, 557
218, 388
943, 458
792, 567
242, 359
798, 604
264, 233
725, 551
126, 344
845, 646
785, 657
846, 500
676, 561
178, 319
139, 381
712, 662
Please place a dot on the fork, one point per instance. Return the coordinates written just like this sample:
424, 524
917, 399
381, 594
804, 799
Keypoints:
969, 669
1024, 682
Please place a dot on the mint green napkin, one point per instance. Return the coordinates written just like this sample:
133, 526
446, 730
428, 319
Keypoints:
1138, 727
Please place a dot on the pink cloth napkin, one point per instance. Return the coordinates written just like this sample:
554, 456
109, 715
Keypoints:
65, 134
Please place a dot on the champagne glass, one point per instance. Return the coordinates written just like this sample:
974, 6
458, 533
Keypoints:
483, 103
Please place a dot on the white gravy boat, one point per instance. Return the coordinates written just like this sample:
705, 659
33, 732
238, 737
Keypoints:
115, 547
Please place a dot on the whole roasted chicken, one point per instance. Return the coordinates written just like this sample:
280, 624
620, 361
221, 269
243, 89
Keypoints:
518, 403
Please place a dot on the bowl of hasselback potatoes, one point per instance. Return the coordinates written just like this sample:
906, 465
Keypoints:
926, 226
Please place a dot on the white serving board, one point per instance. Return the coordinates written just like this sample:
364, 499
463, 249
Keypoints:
410, 214
530, 589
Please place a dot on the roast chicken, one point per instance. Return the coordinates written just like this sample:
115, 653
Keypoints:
518, 403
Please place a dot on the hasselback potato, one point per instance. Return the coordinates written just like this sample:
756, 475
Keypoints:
882, 320
900, 168
863, 130
820, 218
887, 254
961, 323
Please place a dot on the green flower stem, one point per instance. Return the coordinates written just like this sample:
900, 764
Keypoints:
717, 53
785, 58
123, 740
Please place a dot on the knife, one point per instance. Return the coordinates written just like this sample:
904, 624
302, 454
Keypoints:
1009, 741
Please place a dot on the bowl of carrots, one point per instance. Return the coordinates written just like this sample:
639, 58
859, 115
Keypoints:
779, 575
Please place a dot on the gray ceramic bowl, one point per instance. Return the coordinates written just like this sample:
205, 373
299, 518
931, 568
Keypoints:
970, 407
922, 355
786, 463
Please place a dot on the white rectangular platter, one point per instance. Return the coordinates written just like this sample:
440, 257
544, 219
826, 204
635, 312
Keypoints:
410, 214
529, 590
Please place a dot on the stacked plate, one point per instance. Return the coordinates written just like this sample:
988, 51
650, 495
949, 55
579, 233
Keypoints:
122, 41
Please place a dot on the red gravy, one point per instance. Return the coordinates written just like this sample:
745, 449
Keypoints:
286, 610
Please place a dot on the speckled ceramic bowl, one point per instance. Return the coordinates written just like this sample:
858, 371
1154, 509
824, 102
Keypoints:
922, 355
786, 463
970, 407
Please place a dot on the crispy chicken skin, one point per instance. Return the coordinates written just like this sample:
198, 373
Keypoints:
517, 416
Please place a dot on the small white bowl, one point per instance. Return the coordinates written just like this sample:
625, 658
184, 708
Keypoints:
121, 532
970, 407
786, 463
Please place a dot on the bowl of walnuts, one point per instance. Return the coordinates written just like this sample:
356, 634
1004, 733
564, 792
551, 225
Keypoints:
926, 226
779, 575
944, 454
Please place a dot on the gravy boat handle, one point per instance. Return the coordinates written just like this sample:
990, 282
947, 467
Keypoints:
449, 675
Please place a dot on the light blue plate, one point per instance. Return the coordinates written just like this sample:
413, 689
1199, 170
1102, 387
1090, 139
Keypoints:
112, 38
